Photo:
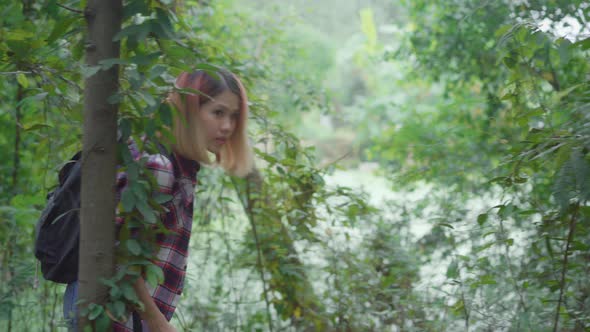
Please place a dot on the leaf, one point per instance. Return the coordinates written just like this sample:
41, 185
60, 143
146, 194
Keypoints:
485, 246
116, 98
165, 114
102, 322
156, 71
145, 59
129, 292
88, 71
128, 200
106, 64
148, 98
94, 310
453, 270
482, 218
22, 80
36, 97
118, 309
564, 93
162, 198
115, 292
564, 51
147, 213
584, 44
134, 247
37, 126
368, 28
509, 62
139, 32
154, 274
60, 28
548, 246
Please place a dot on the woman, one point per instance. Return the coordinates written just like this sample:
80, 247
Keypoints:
212, 121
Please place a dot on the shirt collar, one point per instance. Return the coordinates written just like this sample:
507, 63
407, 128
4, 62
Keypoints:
187, 167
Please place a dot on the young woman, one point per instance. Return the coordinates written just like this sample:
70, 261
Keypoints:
212, 121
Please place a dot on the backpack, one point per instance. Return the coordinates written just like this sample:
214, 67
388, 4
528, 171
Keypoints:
57, 233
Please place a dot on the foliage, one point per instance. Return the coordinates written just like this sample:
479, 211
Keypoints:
512, 113
480, 106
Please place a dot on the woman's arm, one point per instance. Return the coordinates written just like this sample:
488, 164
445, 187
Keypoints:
151, 314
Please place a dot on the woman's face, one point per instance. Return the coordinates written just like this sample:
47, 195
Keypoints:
219, 118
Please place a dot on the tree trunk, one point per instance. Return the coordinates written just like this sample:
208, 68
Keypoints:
97, 215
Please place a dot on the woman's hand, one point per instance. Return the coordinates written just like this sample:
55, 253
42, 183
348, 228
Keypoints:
155, 320
160, 325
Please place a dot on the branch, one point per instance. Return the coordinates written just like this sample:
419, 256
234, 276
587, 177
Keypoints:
17, 138
70, 9
255, 179
570, 239
15, 72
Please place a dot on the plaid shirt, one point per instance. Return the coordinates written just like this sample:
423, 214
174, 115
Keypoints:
178, 179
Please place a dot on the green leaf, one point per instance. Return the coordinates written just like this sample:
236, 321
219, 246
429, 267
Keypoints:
509, 62
94, 310
148, 98
564, 93
584, 44
36, 97
102, 322
22, 80
482, 218
134, 247
129, 292
147, 213
453, 270
119, 309
106, 64
37, 126
139, 32
88, 71
564, 50
60, 28
145, 59
165, 114
162, 198
115, 292
154, 275
156, 71
128, 200
485, 246
116, 98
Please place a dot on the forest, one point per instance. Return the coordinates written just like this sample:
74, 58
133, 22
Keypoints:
421, 165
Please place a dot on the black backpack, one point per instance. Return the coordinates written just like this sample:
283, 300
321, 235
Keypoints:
57, 233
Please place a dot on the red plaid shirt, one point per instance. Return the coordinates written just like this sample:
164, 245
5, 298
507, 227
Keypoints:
178, 179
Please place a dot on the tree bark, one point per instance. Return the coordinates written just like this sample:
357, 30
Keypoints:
97, 215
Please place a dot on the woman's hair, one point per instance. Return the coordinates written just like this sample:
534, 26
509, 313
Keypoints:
235, 156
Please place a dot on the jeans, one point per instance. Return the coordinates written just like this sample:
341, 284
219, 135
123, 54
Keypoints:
70, 309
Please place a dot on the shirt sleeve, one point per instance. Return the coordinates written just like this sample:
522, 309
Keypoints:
163, 171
